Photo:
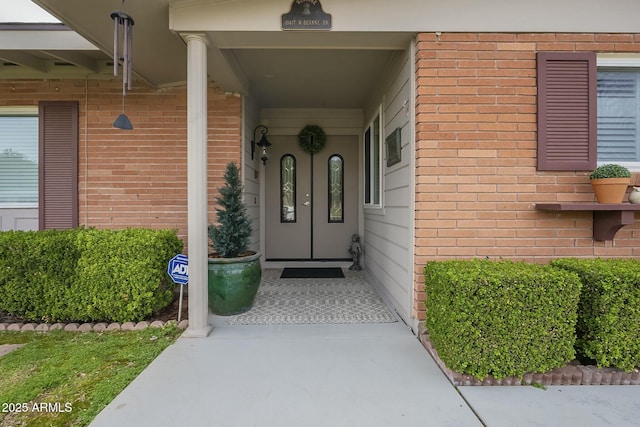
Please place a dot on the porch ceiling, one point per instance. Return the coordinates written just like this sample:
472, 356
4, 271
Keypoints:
278, 69
310, 78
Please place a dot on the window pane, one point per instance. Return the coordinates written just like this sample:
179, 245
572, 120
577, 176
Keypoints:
367, 166
375, 161
336, 188
288, 188
372, 158
618, 116
18, 159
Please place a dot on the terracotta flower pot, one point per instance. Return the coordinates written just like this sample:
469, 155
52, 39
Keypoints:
610, 190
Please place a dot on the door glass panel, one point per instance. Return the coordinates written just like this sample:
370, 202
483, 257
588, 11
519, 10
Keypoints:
336, 188
288, 188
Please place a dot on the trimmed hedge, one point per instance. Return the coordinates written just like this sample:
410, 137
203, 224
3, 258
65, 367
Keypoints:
36, 268
501, 317
608, 326
86, 274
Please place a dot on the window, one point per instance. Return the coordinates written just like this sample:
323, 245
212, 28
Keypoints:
39, 163
618, 115
372, 162
19, 157
588, 113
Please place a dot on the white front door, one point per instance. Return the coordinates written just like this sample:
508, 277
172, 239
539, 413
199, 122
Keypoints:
311, 200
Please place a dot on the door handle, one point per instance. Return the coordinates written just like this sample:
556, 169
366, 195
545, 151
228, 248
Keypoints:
307, 203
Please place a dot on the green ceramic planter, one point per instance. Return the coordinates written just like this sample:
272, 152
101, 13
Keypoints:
233, 284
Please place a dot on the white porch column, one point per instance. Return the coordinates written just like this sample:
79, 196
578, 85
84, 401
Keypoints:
197, 184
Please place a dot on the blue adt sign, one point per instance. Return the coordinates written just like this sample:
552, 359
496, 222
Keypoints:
178, 269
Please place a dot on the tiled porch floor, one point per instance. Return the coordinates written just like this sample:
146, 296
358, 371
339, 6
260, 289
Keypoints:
348, 300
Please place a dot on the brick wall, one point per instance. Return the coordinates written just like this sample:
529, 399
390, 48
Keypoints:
137, 178
477, 181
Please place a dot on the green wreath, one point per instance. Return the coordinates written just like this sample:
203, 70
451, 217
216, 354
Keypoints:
312, 139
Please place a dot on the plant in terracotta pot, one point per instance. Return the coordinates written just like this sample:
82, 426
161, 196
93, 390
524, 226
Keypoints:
234, 271
610, 182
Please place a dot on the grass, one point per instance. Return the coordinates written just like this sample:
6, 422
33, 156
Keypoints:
63, 378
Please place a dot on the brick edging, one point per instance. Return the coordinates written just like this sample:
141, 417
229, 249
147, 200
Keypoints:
91, 327
567, 375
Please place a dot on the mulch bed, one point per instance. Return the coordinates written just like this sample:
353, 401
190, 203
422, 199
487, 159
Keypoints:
572, 374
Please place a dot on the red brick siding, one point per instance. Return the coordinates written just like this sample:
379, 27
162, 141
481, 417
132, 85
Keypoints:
477, 181
137, 178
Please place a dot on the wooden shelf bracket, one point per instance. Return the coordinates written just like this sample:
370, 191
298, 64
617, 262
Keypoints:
607, 218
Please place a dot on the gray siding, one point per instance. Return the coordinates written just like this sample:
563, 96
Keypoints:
388, 234
251, 170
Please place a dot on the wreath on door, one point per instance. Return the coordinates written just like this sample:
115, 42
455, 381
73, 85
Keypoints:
312, 139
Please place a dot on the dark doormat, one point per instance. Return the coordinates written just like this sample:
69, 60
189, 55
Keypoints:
312, 273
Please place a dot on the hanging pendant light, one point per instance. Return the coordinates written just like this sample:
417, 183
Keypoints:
123, 30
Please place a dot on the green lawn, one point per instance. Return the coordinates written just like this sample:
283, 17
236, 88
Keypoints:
66, 378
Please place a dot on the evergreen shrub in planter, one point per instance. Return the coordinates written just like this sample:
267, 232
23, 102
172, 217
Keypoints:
500, 317
234, 272
608, 324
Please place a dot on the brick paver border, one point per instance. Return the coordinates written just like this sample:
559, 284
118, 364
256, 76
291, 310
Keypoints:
88, 327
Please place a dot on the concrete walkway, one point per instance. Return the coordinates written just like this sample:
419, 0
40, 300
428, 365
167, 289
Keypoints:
299, 376
339, 375
568, 406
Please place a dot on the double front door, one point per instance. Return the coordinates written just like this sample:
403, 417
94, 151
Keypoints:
311, 200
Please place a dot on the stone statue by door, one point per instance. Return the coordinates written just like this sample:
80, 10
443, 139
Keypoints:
355, 250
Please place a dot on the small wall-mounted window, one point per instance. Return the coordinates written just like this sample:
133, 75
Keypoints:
372, 162
336, 188
288, 188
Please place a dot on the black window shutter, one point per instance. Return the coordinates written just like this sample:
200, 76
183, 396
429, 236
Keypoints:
567, 111
58, 165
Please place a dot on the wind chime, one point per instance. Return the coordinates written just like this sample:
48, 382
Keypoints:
122, 31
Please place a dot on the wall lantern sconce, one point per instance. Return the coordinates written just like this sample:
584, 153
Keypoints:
263, 143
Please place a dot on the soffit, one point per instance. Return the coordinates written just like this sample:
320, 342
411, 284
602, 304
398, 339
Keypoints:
248, 53
417, 15
311, 78
276, 68
46, 51
159, 55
